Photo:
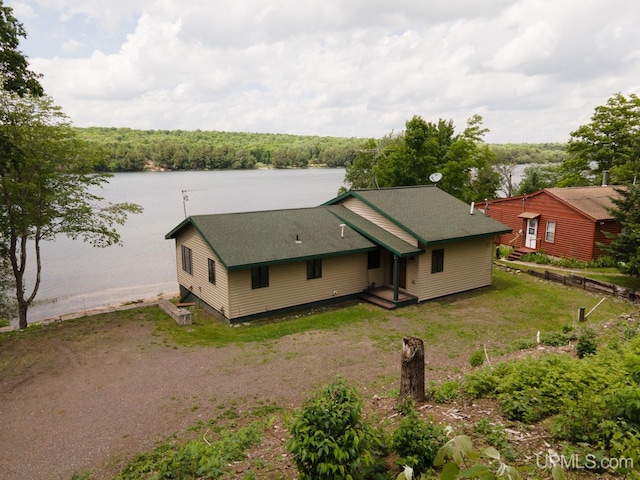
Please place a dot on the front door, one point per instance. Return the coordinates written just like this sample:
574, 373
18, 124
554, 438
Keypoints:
532, 233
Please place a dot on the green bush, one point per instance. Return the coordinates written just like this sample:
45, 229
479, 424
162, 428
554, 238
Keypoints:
477, 358
586, 344
445, 392
495, 435
554, 339
417, 442
330, 439
195, 459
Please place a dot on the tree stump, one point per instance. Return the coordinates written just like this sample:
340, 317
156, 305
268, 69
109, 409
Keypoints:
412, 369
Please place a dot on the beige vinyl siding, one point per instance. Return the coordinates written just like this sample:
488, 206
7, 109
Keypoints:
288, 285
467, 265
214, 295
370, 214
413, 275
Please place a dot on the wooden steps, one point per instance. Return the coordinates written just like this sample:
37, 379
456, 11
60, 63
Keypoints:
374, 299
519, 252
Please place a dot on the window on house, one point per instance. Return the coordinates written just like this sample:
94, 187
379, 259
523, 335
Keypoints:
550, 234
437, 260
212, 271
259, 277
314, 268
373, 260
187, 264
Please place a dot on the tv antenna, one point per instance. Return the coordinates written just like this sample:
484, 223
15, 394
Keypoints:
435, 177
185, 199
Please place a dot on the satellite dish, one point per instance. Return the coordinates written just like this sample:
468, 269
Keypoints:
435, 177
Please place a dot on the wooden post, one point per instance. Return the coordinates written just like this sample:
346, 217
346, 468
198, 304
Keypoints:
412, 369
581, 314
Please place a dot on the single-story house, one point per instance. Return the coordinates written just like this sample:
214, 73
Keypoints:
563, 222
406, 244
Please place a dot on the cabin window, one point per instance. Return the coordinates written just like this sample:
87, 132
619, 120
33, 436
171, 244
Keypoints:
550, 234
314, 268
187, 264
437, 260
259, 277
373, 260
212, 271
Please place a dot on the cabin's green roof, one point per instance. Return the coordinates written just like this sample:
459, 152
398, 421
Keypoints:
427, 213
250, 239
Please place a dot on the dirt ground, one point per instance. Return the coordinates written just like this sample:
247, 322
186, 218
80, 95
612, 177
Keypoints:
88, 398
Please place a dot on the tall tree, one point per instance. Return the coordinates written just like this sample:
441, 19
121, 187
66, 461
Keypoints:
537, 177
47, 188
15, 75
611, 141
424, 148
625, 247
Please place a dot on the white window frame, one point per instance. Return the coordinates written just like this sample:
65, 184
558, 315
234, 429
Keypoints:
550, 231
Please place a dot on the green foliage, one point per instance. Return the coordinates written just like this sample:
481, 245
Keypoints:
537, 177
608, 142
586, 344
444, 392
477, 358
625, 247
14, 68
194, 460
133, 150
417, 442
424, 148
459, 459
48, 188
591, 401
554, 339
495, 435
329, 437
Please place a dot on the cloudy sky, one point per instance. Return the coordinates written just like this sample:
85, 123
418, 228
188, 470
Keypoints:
534, 69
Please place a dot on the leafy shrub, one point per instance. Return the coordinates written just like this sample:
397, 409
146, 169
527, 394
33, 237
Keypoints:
445, 392
586, 344
477, 358
417, 442
495, 435
485, 382
195, 459
330, 439
554, 339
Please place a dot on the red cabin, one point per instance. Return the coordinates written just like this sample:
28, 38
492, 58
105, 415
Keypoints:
563, 222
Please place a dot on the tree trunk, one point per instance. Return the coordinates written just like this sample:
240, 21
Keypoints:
22, 315
412, 369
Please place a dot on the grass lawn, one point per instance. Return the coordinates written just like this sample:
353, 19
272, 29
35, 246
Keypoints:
516, 306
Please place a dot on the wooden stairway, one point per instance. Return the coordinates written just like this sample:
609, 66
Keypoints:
519, 252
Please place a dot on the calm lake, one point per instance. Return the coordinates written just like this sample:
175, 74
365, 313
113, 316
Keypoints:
77, 277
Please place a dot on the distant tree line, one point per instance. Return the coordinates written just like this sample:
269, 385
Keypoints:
128, 150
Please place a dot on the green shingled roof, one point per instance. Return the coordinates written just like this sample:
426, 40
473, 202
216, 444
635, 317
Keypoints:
427, 213
243, 240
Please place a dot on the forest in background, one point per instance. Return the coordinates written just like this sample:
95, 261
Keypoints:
128, 150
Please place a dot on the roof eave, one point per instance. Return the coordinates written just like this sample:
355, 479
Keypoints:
467, 237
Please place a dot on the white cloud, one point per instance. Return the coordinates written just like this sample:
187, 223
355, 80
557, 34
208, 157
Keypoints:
534, 69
